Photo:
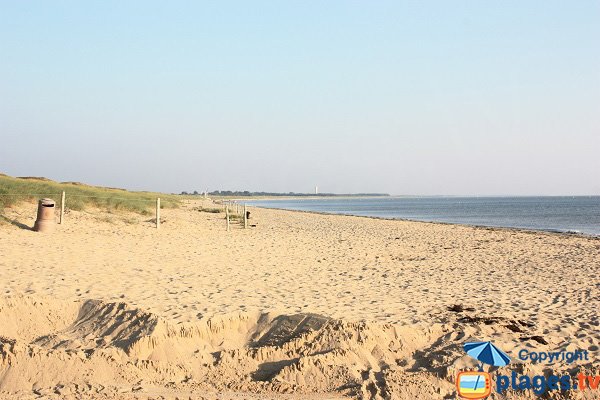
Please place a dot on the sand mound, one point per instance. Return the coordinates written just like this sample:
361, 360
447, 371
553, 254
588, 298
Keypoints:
96, 349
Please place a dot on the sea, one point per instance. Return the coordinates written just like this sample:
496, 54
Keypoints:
568, 214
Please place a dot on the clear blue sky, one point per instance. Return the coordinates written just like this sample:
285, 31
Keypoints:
412, 97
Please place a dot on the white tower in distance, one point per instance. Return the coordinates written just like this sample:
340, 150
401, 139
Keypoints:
316, 190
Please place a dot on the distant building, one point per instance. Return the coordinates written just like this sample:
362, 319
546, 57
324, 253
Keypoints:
316, 190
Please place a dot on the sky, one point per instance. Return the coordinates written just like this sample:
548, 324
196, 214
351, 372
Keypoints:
401, 97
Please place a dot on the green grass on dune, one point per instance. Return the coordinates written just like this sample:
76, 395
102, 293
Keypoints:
80, 196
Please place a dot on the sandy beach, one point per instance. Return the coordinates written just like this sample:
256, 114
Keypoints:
300, 306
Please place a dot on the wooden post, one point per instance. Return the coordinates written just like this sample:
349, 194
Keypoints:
245, 217
227, 216
158, 213
62, 208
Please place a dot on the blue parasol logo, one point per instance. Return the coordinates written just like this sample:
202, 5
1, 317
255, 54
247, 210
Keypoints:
486, 353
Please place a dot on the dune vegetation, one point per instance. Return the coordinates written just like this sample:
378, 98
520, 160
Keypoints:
80, 196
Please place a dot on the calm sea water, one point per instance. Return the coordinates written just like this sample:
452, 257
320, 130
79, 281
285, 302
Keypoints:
560, 214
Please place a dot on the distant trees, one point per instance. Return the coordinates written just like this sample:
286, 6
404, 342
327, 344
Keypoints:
194, 193
246, 193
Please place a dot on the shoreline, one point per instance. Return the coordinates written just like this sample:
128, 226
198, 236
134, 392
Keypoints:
485, 227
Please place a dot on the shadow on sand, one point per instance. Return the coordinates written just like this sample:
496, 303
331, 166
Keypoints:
15, 223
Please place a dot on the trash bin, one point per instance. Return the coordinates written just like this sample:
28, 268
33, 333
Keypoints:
46, 219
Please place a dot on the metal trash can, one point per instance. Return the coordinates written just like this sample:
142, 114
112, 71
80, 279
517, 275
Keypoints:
46, 219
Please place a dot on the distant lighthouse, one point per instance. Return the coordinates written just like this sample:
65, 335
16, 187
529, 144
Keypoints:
316, 190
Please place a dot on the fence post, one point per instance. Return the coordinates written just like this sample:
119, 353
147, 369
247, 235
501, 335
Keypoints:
158, 213
62, 208
245, 217
227, 216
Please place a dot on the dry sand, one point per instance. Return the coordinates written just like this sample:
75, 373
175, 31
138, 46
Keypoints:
302, 306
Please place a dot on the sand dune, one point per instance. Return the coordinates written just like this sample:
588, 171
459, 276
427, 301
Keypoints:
301, 306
